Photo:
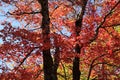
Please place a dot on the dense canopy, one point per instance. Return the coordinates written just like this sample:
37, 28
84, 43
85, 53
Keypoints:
60, 40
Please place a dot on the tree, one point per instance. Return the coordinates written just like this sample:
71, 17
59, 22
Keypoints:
61, 39
47, 58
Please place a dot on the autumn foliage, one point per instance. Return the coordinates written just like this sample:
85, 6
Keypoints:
57, 37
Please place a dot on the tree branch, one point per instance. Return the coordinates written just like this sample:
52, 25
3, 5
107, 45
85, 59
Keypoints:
23, 13
91, 65
106, 64
108, 31
101, 24
111, 25
29, 53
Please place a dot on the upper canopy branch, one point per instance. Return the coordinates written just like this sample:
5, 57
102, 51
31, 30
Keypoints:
22, 13
104, 19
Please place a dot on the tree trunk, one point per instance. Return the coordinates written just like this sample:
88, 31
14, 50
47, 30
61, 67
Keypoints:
76, 70
76, 61
47, 58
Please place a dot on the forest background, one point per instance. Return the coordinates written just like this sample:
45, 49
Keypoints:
60, 40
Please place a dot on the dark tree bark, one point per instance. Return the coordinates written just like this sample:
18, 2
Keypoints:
76, 70
76, 61
47, 58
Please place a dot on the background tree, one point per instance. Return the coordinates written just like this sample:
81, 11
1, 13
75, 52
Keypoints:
49, 39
